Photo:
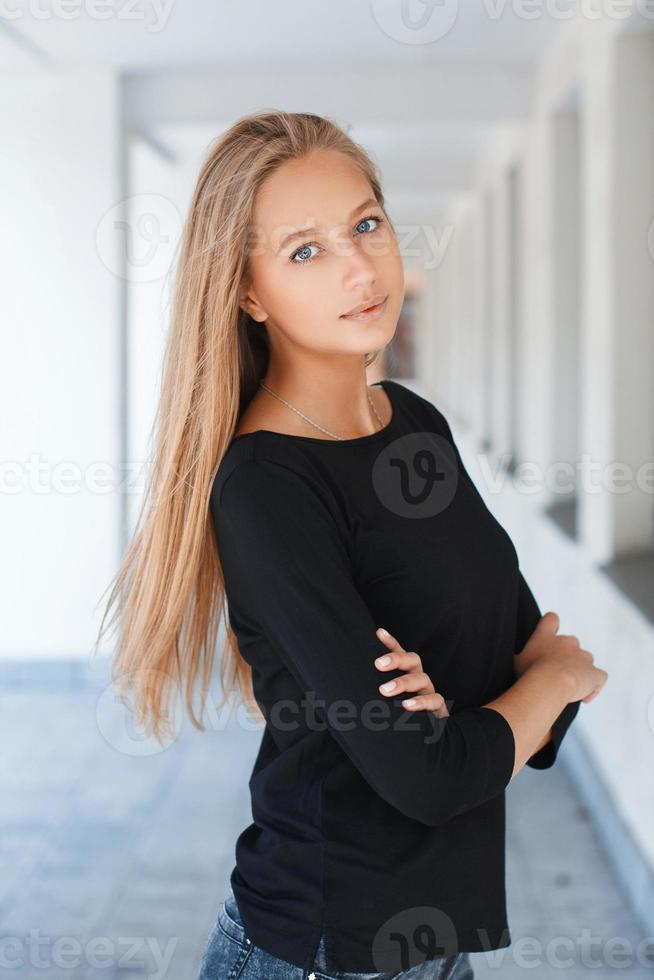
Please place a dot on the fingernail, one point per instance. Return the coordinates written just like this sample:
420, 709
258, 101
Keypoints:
388, 686
382, 661
409, 702
383, 631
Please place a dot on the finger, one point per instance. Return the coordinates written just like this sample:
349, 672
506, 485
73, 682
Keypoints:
402, 659
593, 694
596, 690
420, 683
389, 640
426, 702
414, 661
549, 622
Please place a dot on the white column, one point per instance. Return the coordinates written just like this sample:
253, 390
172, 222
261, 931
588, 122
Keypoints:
478, 316
514, 310
535, 361
466, 328
459, 287
500, 353
566, 272
60, 306
617, 393
443, 331
487, 332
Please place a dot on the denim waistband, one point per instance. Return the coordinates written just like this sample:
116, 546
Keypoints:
231, 922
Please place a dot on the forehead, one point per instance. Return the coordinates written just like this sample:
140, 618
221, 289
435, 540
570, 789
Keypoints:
320, 188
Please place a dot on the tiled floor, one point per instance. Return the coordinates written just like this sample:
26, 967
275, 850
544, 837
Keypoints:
115, 858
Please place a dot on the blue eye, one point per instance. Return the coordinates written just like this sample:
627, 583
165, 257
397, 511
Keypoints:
371, 217
306, 248
300, 251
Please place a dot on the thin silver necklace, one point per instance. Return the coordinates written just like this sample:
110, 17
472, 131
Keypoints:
315, 424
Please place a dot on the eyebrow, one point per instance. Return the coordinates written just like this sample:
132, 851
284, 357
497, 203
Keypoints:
300, 232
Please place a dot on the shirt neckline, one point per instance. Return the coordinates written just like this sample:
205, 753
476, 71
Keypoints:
386, 384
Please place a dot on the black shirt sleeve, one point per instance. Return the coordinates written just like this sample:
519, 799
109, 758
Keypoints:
528, 616
285, 562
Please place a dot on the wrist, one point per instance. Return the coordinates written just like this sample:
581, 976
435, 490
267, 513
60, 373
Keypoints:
556, 676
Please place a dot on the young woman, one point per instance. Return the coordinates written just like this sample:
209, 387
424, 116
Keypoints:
322, 509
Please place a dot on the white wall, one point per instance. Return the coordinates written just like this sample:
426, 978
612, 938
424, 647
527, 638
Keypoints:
161, 179
59, 393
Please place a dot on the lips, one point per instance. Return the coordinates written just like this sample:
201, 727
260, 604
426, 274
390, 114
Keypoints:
366, 305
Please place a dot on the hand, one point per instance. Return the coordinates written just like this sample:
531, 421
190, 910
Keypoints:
415, 680
564, 652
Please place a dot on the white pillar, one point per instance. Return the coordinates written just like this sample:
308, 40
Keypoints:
60, 306
500, 352
487, 331
459, 270
566, 273
535, 361
514, 306
477, 283
466, 369
617, 405
443, 333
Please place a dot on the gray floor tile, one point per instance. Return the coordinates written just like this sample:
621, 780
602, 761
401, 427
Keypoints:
100, 842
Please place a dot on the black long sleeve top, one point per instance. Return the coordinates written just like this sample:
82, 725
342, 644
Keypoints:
380, 827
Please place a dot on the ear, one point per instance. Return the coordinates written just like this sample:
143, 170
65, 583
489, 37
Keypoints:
250, 305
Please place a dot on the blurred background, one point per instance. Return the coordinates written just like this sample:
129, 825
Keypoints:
516, 145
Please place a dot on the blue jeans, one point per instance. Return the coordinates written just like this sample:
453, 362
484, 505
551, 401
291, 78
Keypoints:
230, 955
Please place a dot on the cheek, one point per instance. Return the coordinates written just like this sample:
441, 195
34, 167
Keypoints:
390, 264
289, 293
303, 303
307, 295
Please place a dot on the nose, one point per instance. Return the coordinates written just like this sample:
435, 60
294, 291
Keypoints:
360, 272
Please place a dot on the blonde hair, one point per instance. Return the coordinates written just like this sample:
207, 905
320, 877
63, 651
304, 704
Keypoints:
169, 591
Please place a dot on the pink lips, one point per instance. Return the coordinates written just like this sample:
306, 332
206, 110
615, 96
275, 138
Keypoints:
368, 314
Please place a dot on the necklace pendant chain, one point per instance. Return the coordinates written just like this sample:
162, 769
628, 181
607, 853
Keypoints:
310, 421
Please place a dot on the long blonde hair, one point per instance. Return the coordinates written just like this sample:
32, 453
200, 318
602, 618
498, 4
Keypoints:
169, 590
